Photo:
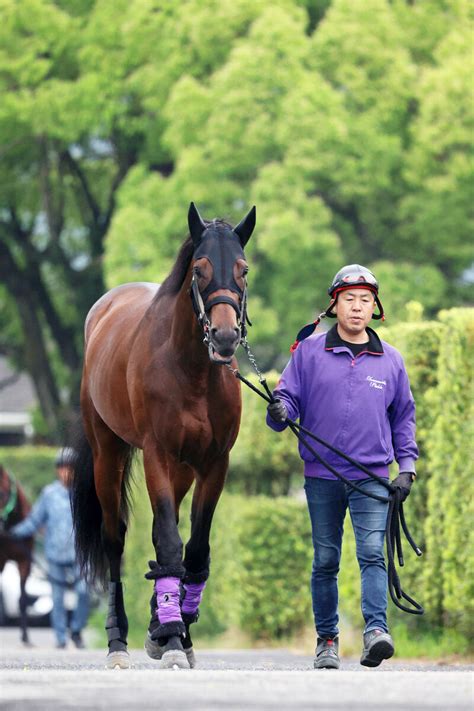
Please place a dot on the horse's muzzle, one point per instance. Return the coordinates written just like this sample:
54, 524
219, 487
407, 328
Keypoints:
223, 344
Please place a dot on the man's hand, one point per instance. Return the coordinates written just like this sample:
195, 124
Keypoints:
277, 411
403, 482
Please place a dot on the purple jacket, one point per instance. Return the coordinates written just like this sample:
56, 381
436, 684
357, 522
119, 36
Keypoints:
361, 405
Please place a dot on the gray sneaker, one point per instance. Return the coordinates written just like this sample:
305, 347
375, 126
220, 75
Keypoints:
378, 645
327, 654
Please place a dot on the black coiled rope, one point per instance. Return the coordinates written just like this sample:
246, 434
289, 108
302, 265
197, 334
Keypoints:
395, 515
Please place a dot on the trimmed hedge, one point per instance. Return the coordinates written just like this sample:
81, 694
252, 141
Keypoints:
260, 566
33, 466
262, 461
276, 555
419, 343
261, 556
448, 573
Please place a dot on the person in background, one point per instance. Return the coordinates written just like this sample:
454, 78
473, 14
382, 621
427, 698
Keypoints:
351, 389
52, 511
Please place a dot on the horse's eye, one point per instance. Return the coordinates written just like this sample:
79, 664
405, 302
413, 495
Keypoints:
197, 272
245, 271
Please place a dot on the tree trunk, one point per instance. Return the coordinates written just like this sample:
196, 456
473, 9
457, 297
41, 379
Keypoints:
37, 362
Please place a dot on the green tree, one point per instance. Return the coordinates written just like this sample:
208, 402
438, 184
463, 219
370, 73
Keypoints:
437, 207
403, 282
347, 123
63, 159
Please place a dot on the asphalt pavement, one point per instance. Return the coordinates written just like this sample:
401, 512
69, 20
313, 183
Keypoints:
45, 679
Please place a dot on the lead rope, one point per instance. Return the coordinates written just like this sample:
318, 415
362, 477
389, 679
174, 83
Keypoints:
395, 514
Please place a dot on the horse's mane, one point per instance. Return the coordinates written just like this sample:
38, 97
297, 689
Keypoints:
174, 281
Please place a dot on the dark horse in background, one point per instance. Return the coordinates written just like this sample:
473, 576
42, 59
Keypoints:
14, 507
150, 382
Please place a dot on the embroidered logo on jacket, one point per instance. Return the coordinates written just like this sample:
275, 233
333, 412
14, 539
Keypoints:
378, 384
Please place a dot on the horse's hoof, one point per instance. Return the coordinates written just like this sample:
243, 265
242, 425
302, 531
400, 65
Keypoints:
171, 655
152, 648
118, 660
174, 659
191, 657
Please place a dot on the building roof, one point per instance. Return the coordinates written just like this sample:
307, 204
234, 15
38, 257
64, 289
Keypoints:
17, 394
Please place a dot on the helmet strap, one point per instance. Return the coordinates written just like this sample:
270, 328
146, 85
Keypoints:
380, 315
329, 309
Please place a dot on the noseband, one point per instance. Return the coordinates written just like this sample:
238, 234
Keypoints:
222, 258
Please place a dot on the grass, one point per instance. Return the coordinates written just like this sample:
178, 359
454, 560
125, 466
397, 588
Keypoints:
444, 645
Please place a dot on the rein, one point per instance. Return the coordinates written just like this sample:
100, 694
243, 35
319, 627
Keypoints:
207, 247
395, 516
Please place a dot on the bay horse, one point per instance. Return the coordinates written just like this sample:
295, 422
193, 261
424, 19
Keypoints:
14, 507
150, 382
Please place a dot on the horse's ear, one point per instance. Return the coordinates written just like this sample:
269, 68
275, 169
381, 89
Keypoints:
245, 228
196, 224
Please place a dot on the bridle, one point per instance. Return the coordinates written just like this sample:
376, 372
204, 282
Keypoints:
222, 260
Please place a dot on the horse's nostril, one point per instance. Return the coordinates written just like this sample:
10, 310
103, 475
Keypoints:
225, 337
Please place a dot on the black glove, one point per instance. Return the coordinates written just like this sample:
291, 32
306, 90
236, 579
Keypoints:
403, 482
277, 410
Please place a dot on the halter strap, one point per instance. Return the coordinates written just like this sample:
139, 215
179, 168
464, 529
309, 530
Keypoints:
202, 309
222, 300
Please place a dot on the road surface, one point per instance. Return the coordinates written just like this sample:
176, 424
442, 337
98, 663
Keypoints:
46, 679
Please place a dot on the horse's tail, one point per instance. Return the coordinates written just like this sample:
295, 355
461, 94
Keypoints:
87, 512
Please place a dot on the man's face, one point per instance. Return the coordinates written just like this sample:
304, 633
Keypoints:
354, 309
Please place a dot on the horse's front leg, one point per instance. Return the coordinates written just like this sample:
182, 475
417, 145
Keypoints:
24, 568
208, 489
166, 630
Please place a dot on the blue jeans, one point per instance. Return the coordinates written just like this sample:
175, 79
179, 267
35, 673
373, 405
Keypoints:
61, 577
327, 503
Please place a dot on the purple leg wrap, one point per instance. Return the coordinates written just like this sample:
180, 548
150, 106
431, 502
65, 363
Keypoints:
192, 597
167, 598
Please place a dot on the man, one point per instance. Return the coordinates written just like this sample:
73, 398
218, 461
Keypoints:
53, 512
351, 389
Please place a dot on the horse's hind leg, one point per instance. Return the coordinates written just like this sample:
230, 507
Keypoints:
111, 459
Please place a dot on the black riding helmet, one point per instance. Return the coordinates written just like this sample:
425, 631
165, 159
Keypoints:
352, 276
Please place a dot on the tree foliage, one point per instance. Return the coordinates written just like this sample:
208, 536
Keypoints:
348, 124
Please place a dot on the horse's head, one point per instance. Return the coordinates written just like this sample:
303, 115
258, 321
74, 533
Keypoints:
8, 496
4, 487
219, 281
